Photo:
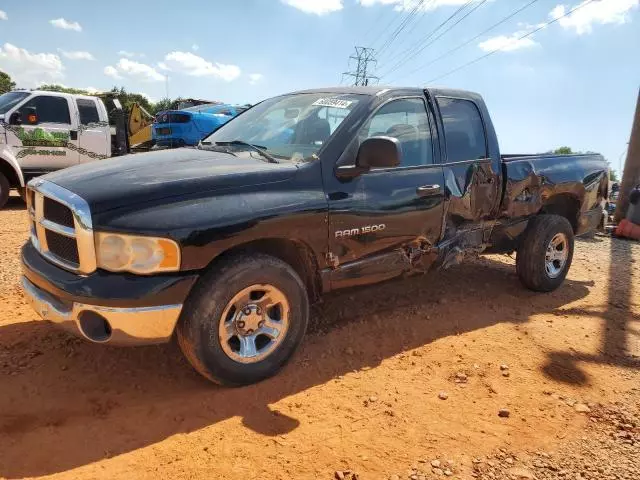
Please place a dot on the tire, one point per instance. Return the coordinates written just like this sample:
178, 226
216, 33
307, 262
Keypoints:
216, 307
4, 190
532, 265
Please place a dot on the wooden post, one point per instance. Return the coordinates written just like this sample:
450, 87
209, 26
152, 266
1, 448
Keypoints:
631, 175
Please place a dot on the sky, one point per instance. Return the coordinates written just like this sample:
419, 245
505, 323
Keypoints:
572, 83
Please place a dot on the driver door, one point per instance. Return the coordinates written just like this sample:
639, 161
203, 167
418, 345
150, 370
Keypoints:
389, 209
44, 147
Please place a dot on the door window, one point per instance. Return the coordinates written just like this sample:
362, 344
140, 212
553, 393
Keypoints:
88, 111
463, 129
49, 109
407, 121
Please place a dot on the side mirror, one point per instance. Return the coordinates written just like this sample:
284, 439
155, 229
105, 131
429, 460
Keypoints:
374, 152
15, 118
379, 152
32, 116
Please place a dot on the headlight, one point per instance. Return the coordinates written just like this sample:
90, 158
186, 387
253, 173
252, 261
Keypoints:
143, 255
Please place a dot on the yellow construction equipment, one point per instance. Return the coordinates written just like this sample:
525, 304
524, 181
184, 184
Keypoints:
139, 123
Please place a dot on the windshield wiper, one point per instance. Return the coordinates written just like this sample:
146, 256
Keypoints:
258, 148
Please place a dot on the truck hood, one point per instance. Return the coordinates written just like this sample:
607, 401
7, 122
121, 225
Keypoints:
152, 176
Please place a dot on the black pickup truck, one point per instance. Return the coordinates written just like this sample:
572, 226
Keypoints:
227, 244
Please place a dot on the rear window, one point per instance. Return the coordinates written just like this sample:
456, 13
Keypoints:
173, 118
463, 129
88, 111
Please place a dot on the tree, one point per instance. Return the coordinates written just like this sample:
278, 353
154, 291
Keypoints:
162, 105
613, 176
6, 84
126, 98
62, 89
563, 151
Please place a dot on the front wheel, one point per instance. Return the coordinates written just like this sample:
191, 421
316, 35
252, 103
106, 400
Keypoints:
545, 253
244, 320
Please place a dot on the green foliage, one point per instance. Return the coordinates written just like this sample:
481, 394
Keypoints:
563, 151
613, 176
126, 98
6, 84
62, 89
163, 104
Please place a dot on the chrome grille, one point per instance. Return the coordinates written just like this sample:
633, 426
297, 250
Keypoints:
63, 247
61, 227
58, 213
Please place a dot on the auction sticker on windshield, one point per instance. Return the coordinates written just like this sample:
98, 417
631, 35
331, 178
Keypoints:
332, 102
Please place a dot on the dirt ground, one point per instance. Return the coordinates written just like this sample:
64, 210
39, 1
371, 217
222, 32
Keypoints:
401, 380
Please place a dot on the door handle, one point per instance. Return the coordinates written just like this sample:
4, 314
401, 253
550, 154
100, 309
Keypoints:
427, 190
73, 134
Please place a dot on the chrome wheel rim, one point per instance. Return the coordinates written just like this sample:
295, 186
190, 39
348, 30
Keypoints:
254, 323
556, 255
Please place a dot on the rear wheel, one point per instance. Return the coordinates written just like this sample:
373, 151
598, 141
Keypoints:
545, 253
244, 320
4, 190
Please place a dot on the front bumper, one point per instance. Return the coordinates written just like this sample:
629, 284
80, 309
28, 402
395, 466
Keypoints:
118, 309
116, 326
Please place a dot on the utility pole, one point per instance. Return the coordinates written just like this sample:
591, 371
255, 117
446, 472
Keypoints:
631, 175
364, 57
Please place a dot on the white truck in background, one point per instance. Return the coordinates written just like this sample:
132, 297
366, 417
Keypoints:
41, 132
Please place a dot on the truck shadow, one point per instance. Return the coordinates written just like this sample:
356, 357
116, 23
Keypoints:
616, 319
15, 203
65, 403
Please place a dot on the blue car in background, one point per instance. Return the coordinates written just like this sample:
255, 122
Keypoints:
177, 128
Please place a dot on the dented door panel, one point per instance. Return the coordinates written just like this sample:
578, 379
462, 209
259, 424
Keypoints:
471, 190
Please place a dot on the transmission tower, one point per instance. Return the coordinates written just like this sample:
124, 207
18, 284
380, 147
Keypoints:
365, 63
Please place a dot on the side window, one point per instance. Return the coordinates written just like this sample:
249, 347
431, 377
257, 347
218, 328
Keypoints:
88, 111
50, 109
406, 120
463, 129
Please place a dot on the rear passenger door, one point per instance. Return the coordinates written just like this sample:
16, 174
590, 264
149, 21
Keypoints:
93, 132
472, 187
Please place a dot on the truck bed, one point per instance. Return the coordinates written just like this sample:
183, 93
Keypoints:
578, 182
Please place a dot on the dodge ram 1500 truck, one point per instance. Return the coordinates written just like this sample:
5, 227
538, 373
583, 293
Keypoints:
226, 245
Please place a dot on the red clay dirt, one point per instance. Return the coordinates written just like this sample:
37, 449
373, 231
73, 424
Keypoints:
360, 397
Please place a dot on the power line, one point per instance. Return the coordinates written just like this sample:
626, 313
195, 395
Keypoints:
374, 24
402, 62
462, 45
364, 57
393, 19
402, 26
541, 27
423, 11
409, 52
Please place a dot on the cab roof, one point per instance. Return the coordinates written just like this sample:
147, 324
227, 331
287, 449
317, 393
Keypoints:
58, 94
375, 90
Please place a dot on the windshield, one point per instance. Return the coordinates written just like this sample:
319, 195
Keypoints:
8, 100
292, 127
206, 106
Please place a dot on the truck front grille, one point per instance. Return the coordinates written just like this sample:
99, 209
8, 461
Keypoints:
58, 213
61, 227
63, 247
